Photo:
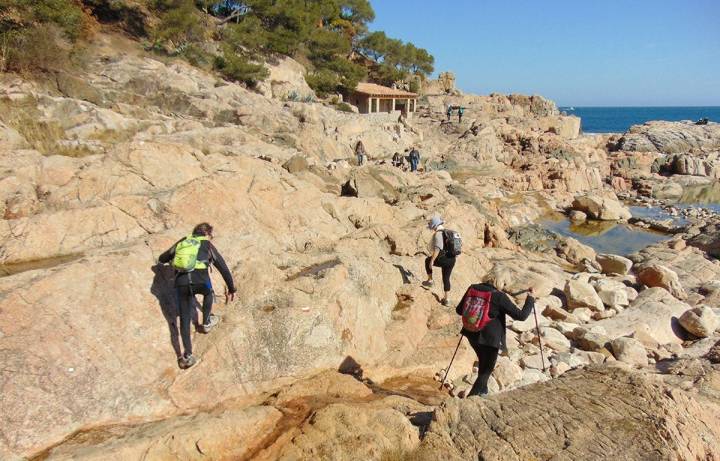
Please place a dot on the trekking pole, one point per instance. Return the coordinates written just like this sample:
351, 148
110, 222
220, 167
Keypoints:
447, 371
537, 329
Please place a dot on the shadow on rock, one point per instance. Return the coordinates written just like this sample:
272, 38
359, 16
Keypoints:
163, 288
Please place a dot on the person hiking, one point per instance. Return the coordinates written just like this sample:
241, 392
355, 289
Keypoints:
414, 159
461, 111
490, 339
439, 257
397, 160
360, 152
449, 112
191, 257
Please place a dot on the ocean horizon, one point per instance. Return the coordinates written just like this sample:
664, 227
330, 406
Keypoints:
607, 119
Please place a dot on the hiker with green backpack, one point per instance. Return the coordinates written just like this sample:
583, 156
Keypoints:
191, 258
445, 246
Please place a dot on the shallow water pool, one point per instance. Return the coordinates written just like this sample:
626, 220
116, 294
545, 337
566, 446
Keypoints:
605, 236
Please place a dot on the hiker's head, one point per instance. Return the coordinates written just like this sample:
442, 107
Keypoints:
435, 222
204, 229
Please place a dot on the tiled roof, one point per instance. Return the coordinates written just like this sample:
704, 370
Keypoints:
373, 89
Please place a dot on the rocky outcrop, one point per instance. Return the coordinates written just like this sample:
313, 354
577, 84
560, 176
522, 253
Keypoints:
564, 419
606, 207
699, 321
670, 137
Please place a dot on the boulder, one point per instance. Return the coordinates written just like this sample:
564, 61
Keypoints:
629, 350
506, 372
655, 309
699, 321
614, 264
614, 298
562, 419
582, 294
553, 339
296, 164
577, 216
655, 275
588, 340
603, 207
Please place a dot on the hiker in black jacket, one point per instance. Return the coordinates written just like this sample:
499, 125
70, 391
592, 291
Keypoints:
197, 281
487, 342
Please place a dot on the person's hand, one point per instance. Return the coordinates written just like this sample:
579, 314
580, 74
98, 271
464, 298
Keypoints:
531, 291
229, 296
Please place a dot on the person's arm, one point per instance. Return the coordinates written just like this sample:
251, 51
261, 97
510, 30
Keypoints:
169, 254
435, 254
221, 266
509, 307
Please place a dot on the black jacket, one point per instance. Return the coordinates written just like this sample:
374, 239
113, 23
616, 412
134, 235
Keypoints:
207, 252
493, 334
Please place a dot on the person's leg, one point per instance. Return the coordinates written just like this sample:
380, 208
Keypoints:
428, 270
448, 264
487, 357
208, 298
186, 305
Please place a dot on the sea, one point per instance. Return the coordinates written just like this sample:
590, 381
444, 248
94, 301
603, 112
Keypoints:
619, 119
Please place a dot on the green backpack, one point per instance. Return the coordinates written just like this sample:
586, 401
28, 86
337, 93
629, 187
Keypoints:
186, 253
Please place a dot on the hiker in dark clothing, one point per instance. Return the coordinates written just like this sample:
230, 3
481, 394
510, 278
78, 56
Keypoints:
439, 258
461, 111
360, 152
414, 159
449, 112
397, 160
196, 281
490, 339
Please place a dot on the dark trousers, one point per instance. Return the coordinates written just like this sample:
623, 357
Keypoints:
487, 356
413, 165
186, 304
444, 263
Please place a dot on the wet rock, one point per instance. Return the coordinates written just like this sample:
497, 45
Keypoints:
700, 321
577, 216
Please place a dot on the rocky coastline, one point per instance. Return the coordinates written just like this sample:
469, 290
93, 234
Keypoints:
333, 348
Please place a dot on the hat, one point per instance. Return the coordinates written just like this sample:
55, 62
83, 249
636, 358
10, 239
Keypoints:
435, 221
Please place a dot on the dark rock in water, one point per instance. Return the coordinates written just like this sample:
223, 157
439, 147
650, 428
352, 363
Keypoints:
534, 238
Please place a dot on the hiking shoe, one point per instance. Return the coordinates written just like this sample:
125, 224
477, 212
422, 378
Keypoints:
186, 362
427, 283
212, 321
444, 302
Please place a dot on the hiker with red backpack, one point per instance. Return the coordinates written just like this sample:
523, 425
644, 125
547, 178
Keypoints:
191, 258
483, 309
445, 246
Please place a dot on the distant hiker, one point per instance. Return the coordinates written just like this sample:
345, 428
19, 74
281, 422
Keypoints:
702, 121
191, 257
360, 152
485, 328
461, 111
397, 160
414, 159
449, 112
444, 248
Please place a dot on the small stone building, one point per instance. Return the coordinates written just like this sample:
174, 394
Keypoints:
371, 98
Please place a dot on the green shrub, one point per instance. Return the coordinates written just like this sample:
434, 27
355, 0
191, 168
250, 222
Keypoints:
180, 23
33, 49
344, 107
235, 67
323, 82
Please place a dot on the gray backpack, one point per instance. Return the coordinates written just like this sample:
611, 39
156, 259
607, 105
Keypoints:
452, 242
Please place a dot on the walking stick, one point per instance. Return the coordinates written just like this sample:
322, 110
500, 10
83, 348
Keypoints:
537, 329
447, 371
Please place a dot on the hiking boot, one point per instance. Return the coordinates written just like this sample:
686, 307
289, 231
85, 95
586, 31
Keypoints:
444, 302
212, 321
186, 362
427, 283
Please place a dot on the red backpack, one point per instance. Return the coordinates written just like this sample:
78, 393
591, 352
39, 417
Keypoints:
476, 310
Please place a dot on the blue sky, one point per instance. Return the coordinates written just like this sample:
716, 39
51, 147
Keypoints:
580, 52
